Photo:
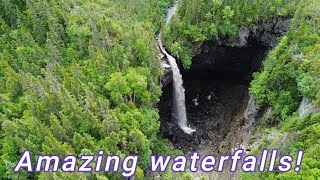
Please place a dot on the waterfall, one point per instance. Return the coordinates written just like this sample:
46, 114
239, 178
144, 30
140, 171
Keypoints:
179, 112
179, 107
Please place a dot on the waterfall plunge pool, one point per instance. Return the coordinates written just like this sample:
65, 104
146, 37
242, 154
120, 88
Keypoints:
216, 95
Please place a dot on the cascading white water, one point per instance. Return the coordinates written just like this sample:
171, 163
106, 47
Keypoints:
179, 108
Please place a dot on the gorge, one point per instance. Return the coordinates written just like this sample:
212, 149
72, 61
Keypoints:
165, 78
218, 103
216, 97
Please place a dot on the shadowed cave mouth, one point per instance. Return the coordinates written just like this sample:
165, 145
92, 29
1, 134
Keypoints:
216, 90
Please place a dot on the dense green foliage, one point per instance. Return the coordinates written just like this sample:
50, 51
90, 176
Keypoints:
198, 21
79, 76
290, 72
76, 77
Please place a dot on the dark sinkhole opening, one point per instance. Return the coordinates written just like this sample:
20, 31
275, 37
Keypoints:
216, 90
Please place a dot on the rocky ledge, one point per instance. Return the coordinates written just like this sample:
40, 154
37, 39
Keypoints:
265, 33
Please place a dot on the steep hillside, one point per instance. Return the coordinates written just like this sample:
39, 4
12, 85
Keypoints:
199, 21
289, 76
290, 72
79, 76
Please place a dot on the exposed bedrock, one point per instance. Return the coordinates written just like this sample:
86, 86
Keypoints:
307, 107
262, 34
216, 98
166, 77
218, 103
265, 32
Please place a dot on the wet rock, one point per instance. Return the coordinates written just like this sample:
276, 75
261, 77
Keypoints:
166, 77
211, 118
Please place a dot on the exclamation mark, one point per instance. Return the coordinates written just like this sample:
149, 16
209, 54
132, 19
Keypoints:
299, 161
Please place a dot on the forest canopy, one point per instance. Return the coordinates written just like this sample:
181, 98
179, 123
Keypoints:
79, 76
290, 73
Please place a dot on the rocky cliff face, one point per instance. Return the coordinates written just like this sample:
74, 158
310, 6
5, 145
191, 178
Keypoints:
218, 102
219, 105
306, 107
166, 77
258, 36
266, 33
